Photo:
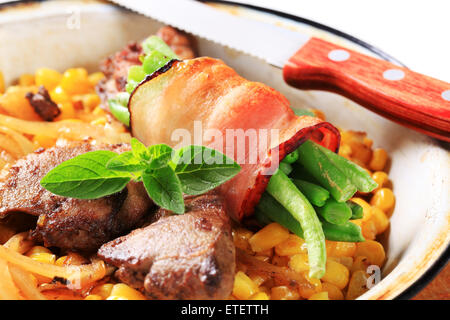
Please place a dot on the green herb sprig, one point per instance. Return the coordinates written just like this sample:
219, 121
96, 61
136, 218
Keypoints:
165, 173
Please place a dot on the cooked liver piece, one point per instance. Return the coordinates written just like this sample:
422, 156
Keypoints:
67, 223
189, 256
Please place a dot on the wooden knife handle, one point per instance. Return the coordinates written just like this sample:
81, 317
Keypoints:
407, 97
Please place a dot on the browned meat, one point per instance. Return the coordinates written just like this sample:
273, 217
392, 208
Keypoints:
43, 104
68, 223
181, 43
116, 66
188, 256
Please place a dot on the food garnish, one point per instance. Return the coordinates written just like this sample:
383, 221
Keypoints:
165, 173
290, 201
157, 54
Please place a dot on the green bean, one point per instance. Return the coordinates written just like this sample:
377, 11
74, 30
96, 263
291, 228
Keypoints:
347, 232
262, 218
335, 212
291, 157
315, 194
357, 175
285, 167
328, 175
285, 192
357, 210
274, 211
299, 172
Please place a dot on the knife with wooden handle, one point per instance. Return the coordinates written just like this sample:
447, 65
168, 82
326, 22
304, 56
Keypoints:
409, 98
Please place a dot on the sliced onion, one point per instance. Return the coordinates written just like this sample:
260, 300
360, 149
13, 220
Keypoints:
76, 277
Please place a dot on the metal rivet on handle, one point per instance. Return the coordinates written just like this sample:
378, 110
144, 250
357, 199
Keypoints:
446, 95
393, 74
338, 55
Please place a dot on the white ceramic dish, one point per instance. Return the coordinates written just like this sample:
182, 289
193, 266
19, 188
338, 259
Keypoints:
61, 34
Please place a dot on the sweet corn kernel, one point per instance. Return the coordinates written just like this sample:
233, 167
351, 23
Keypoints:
99, 122
367, 209
14, 103
60, 261
116, 298
268, 237
373, 250
345, 151
90, 101
334, 293
26, 80
2, 83
75, 81
75, 259
241, 237
360, 152
284, 293
299, 262
38, 249
93, 297
103, 290
58, 95
312, 286
381, 178
360, 263
383, 199
67, 111
368, 142
369, 230
319, 296
43, 257
316, 283
380, 220
346, 261
98, 112
357, 285
44, 141
291, 246
243, 287
336, 274
95, 77
340, 249
379, 159
48, 78
121, 291
259, 296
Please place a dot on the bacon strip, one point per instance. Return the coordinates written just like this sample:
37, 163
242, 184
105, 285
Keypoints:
208, 91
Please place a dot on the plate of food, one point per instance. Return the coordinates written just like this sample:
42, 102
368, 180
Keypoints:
142, 162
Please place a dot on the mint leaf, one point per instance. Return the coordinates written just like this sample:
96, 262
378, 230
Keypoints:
126, 162
85, 177
160, 155
164, 189
201, 169
139, 150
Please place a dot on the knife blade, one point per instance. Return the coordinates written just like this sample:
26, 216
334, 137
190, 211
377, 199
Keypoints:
268, 42
409, 98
